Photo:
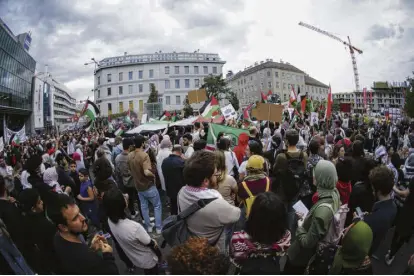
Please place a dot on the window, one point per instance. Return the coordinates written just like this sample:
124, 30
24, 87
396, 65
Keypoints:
167, 100
109, 78
283, 75
187, 83
268, 73
177, 100
195, 69
167, 70
186, 70
197, 83
177, 83
109, 108
151, 73
129, 89
140, 88
140, 74
99, 94
160, 99
284, 97
269, 84
214, 70
99, 80
288, 86
284, 85
121, 76
277, 84
261, 85
131, 105
176, 69
205, 69
109, 91
130, 75
167, 84
120, 90
276, 74
121, 107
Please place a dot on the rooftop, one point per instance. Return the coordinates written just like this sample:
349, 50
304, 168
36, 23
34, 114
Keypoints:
159, 57
312, 81
265, 65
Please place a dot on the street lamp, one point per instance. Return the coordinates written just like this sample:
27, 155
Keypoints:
93, 62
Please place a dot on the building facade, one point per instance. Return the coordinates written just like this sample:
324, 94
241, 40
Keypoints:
123, 82
16, 71
279, 77
53, 104
381, 97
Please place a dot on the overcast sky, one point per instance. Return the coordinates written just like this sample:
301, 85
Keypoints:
66, 34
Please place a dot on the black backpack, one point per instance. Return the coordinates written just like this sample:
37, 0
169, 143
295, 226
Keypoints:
294, 176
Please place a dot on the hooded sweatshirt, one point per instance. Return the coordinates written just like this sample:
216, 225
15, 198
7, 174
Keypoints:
240, 149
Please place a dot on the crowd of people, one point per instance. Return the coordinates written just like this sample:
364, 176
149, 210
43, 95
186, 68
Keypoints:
321, 198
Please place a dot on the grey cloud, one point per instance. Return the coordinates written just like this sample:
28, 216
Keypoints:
380, 32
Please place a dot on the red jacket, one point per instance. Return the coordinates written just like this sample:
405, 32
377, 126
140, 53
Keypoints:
240, 149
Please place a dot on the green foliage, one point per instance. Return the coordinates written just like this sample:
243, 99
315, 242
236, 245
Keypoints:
188, 110
232, 98
409, 98
335, 106
216, 86
153, 97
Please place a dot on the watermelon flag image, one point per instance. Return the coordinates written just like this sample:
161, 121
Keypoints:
232, 132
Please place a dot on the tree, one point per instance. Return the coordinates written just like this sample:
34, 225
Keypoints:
153, 97
188, 110
216, 86
335, 106
409, 98
232, 98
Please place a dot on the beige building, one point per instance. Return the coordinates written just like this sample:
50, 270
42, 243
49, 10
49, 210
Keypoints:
279, 77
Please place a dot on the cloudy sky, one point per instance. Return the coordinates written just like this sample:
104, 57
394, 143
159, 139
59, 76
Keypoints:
66, 34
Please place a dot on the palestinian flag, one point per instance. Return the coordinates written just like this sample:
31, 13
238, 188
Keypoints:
210, 108
174, 117
165, 116
119, 131
90, 110
292, 97
15, 140
232, 132
311, 109
89, 126
264, 97
303, 104
127, 118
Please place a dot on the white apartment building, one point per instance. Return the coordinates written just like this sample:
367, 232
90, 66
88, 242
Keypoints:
53, 104
123, 82
385, 95
279, 77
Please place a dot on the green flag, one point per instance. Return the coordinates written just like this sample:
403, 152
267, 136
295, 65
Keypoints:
215, 129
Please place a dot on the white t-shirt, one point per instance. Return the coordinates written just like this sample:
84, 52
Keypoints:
242, 168
189, 152
133, 239
231, 161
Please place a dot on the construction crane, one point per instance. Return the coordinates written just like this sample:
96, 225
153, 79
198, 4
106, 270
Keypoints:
352, 49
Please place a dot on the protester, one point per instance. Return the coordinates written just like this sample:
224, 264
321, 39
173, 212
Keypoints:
240, 149
188, 142
258, 249
226, 184
74, 255
232, 166
253, 148
197, 257
200, 144
200, 175
338, 153
313, 228
172, 169
164, 152
132, 237
140, 166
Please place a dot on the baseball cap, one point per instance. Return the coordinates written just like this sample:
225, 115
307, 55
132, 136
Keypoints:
255, 162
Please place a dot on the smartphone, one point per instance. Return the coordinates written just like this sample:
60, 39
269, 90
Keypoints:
359, 212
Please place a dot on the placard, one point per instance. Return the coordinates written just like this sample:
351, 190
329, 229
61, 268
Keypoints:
269, 112
229, 112
197, 96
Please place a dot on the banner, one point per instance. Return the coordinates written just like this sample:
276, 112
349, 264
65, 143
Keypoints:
314, 118
18, 135
229, 112
231, 132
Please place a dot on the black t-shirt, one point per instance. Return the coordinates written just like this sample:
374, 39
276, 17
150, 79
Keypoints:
78, 258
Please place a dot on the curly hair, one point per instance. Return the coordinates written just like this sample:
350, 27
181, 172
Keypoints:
196, 256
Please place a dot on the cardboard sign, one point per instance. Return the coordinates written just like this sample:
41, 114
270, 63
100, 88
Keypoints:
269, 112
197, 96
314, 119
229, 112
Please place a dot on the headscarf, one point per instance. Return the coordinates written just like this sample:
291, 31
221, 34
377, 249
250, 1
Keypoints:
326, 179
355, 248
50, 177
240, 149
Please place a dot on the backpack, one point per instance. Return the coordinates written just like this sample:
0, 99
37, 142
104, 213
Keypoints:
321, 262
293, 178
248, 202
175, 230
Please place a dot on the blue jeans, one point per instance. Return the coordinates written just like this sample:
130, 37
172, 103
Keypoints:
152, 196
